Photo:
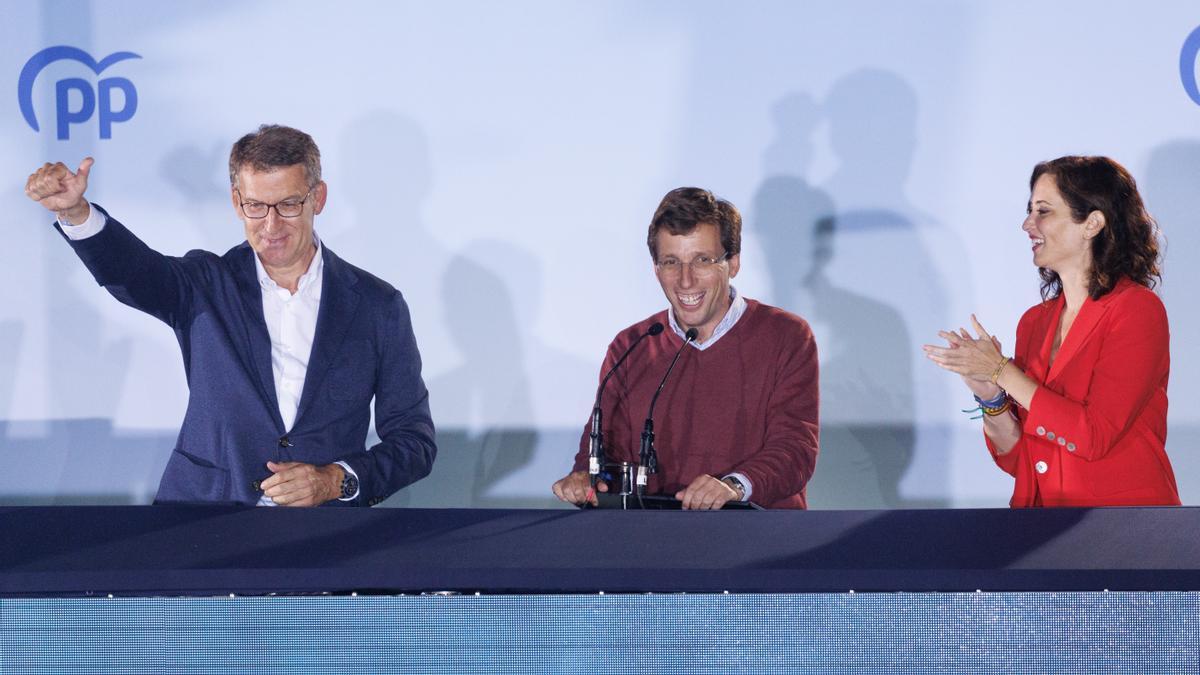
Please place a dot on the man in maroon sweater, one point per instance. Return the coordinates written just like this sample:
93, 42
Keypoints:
738, 417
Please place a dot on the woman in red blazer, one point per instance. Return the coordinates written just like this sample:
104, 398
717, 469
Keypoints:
1079, 414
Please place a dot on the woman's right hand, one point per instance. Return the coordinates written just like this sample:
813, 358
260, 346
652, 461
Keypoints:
984, 389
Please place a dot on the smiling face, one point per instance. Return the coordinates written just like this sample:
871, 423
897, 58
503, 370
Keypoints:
1059, 243
284, 245
699, 300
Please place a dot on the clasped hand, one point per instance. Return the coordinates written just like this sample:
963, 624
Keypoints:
975, 358
300, 484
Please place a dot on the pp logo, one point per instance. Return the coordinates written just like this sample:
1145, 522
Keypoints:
1187, 65
90, 100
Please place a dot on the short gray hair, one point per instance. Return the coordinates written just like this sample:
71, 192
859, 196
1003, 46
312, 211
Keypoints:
274, 146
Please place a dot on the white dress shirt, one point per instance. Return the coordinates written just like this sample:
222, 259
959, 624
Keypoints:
292, 324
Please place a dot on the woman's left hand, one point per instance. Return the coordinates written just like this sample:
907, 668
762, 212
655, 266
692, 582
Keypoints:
975, 358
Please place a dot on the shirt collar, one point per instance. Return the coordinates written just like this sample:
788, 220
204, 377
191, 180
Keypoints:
737, 307
306, 280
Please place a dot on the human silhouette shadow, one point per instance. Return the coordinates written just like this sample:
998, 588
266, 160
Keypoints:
887, 249
198, 176
381, 228
866, 404
489, 389
867, 432
396, 141
388, 234
561, 385
1169, 188
501, 453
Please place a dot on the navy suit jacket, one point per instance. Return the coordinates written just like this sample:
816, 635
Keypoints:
364, 348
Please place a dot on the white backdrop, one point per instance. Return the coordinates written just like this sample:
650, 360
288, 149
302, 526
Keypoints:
499, 162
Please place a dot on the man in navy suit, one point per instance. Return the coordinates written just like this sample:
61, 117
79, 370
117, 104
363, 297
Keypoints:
285, 345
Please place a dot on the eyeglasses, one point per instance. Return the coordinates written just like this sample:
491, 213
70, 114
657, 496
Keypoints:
288, 208
701, 265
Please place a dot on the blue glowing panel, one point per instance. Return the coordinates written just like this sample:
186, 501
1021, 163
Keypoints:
927, 632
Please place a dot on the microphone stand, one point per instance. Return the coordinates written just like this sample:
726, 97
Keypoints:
648, 457
595, 445
596, 436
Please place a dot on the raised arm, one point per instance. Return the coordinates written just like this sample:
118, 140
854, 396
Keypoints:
126, 267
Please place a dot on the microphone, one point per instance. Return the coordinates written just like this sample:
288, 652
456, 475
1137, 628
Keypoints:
648, 458
596, 437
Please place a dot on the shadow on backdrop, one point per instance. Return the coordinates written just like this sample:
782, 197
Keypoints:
1170, 190
851, 258
198, 175
860, 340
501, 454
490, 388
387, 235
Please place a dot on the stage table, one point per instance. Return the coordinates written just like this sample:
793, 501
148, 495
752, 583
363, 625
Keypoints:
233, 589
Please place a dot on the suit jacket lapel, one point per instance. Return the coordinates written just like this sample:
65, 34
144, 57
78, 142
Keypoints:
339, 301
257, 337
1085, 322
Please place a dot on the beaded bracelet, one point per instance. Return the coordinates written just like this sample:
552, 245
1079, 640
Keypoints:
992, 412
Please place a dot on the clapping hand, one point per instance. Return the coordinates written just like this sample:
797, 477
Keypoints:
976, 359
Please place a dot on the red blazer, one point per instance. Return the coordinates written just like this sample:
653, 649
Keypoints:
1096, 429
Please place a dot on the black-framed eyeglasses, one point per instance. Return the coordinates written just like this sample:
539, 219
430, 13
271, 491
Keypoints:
288, 208
701, 264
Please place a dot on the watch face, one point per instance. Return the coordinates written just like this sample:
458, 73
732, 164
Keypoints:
349, 486
736, 485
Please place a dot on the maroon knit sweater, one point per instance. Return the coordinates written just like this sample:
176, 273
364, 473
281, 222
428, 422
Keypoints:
747, 404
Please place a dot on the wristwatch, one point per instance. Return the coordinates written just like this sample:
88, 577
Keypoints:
737, 485
349, 484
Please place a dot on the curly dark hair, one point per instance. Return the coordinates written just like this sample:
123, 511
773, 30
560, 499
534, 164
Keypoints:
1127, 246
684, 209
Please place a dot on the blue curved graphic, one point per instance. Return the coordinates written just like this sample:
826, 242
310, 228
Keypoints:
49, 55
1187, 65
